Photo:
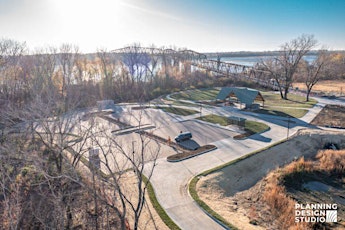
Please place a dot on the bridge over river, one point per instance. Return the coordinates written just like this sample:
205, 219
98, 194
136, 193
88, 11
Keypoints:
199, 60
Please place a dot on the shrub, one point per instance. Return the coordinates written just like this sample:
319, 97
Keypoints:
332, 161
275, 196
281, 205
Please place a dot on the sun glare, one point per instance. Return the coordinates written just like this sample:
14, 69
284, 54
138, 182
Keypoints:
88, 22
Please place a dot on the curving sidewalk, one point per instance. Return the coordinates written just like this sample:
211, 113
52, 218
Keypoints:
171, 180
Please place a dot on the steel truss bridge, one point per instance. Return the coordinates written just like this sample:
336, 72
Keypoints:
181, 54
199, 60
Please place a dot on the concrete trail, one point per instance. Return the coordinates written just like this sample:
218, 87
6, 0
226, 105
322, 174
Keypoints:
170, 180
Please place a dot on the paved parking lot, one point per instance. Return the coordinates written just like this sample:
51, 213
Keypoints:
202, 133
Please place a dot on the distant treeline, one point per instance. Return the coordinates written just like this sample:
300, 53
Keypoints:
257, 53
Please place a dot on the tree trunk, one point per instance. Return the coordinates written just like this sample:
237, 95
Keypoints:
281, 93
308, 93
69, 217
286, 91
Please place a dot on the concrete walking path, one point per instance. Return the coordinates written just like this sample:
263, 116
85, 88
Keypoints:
171, 180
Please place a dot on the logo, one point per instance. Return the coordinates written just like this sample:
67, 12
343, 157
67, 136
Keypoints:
331, 216
314, 212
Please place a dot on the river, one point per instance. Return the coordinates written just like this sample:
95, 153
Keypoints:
252, 60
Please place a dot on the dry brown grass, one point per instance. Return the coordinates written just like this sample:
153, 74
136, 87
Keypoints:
298, 166
281, 205
329, 86
236, 192
332, 161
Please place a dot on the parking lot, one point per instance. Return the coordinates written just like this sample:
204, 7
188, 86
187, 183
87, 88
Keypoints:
170, 125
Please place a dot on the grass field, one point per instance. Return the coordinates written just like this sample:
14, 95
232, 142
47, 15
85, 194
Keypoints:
294, 101
329, 87
283, 112
255, 127
178, 111
250, 126
197, 94
182, 103
215, 119
295, 106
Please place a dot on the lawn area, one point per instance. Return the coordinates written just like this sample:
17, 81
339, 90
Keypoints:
255, 127
178, 111
215, 119
251, 127
197, 94
295, 101
283, 112
295, 106
182, 103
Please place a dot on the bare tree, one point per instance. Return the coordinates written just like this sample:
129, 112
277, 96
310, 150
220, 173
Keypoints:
337, 65
43, 72
120, 160
11, 84
10, 204
284, 67
152, 65
107, 70
65, 141
67, 58
34, 193
313, 72
137, 63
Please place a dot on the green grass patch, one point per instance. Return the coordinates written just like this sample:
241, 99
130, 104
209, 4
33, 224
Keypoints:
178, 111
215, 119
161, 212
203, 205
251, 127
283, 112
182, 103
255, 127
295, 101
296, 105
197, 94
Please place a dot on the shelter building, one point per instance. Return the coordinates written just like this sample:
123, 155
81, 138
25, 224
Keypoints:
242, 95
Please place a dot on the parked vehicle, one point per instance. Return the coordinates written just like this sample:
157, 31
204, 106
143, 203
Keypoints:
183, 136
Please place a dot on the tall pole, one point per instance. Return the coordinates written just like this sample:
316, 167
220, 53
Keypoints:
288, 128
200, 109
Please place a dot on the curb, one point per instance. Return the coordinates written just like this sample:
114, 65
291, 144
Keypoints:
197, 154
244, 138
132, 129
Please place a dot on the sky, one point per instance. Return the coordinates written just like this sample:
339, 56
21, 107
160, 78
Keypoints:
200, 25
